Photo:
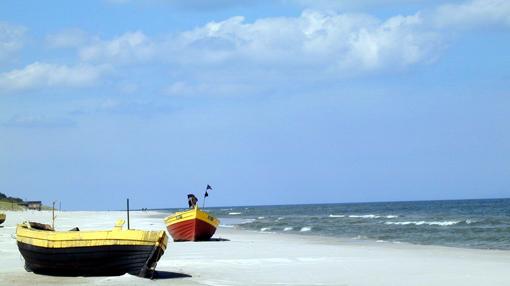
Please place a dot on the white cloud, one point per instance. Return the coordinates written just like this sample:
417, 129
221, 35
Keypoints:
209, 86
127, 48
344, 4
140, 107
474, 13
227, 56
341, 5
127, 87
39, 121
231, 55
11, 39
43, 75
118, 1
69, 38
181, 88
196, 5
335, 42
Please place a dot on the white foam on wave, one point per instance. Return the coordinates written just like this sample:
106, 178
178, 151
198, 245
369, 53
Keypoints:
264, 229
422, 222
260, 217
289, 228
336, 215
226, 225
365, 216
306, 228
373, 216
234, 213
248, 220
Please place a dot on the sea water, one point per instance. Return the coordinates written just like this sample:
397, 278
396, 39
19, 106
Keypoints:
463, 223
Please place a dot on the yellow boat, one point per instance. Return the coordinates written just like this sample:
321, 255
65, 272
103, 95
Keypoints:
90, 253
191, 225
2, 218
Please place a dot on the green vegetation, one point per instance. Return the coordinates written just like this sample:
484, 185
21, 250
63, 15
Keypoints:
9, 205
5, 198
12, 203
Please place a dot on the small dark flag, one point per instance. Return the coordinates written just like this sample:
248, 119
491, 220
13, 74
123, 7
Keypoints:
206, 189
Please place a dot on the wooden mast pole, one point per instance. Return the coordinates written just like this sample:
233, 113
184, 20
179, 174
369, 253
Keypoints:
53, 216
127, 212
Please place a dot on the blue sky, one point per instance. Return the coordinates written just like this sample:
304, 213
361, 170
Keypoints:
270, 102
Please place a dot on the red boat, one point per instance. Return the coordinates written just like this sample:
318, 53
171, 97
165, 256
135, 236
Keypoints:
191, 225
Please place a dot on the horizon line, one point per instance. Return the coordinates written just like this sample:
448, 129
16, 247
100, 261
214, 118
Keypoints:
303, 204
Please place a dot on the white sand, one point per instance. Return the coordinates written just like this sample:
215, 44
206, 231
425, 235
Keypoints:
252, 258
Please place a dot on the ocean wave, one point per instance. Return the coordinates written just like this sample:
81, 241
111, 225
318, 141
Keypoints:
364, 216
234, 213
335, 215
226, 225
260, 217
264, 229
289, 228
422, 222
373, 216
306, 228
248, 220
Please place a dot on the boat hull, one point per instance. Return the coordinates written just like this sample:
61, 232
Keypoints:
191, 225
2, 218
111, 260
90, 253
191, 230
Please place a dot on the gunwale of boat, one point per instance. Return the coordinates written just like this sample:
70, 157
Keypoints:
191, 214
67, 239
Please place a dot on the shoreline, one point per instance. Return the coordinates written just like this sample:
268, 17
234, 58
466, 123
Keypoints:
335, 240
156, 214
258, 258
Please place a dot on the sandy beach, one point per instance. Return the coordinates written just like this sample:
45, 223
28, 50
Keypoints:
242, 257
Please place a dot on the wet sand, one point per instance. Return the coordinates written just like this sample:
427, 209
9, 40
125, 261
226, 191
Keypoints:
242, 257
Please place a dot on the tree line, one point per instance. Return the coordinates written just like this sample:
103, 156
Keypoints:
4, 197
